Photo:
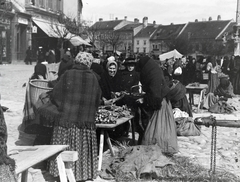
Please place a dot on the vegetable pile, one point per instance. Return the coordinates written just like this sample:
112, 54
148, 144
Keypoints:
110, 114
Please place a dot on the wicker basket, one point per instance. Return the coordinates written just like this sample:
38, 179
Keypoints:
37, 87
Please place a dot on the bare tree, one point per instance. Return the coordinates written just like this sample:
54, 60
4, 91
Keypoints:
112, 38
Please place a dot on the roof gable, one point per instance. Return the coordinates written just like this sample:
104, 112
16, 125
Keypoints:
164, 32
130, 27
204, 30
146, 32
106, 25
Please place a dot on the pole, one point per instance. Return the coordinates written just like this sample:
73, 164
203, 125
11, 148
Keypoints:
237, 38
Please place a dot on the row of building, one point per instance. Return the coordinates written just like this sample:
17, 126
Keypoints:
213, 37
25, 23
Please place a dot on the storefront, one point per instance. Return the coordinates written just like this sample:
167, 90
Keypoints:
21, 38
5, 35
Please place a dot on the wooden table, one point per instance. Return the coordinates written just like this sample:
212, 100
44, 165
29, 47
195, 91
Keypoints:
104, 131
194, 90
28, 156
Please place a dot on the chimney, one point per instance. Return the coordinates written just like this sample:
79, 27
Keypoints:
210, 18
125, 18
116, 18
100, 19
145, 21
219, 17
136, 20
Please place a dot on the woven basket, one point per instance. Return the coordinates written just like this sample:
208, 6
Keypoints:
37, 87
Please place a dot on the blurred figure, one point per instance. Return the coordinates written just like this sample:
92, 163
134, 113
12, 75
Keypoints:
129, 76
40, 70
158, 122
212, 68
236, 73
51, 56
28, 59
7, 164
65, 64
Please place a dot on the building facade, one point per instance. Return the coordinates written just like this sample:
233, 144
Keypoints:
6, 18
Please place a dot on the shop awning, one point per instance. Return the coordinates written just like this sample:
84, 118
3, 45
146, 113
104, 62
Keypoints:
57, 30
52, 29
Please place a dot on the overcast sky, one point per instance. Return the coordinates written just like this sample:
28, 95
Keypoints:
162, 11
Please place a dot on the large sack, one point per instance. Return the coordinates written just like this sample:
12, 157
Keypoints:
187, 127
161, 130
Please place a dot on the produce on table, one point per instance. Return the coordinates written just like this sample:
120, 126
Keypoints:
110, 114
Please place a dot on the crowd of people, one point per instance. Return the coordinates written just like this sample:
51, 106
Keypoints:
66, 114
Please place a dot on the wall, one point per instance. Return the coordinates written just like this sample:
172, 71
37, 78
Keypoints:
70, 8
141, 45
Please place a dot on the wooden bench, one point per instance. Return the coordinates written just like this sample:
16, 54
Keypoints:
28, 156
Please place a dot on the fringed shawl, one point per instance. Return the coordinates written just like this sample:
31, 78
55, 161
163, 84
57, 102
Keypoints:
74, 100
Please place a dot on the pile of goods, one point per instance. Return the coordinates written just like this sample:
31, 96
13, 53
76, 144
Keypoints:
110, 114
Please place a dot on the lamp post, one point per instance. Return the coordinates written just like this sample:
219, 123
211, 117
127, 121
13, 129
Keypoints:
237, 28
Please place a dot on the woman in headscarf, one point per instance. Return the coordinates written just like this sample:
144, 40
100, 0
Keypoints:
7, 165
213, 69
159, 126
177, 96
74, 103
110, 80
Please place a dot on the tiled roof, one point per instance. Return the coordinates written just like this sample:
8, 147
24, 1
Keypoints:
129, 26
146, 32
204, 29
228, 30
165, 32
106, 25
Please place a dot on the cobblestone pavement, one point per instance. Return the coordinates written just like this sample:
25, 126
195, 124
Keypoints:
12, 78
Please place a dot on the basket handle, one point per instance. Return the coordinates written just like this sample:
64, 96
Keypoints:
134, 86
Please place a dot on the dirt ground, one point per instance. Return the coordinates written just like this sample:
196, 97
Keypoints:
12, 90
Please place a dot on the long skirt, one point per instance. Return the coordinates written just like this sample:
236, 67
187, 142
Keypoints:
161, 130
84, 141
213, 83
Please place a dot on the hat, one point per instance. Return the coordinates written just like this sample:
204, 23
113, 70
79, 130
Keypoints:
84, 58
129, 61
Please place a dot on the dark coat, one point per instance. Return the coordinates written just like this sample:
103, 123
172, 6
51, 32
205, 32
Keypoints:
74, 100
51, 57
129, 79
65, 64
109, 84
154, 84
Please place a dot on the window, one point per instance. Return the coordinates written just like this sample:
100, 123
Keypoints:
50, 4
137, 49
144, 49
137, 42
144, 42
41, 3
